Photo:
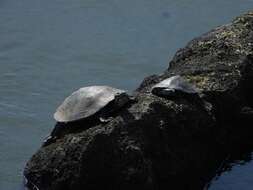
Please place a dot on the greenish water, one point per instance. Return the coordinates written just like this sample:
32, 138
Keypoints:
49, 48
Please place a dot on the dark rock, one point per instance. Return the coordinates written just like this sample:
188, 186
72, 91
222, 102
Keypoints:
158, 143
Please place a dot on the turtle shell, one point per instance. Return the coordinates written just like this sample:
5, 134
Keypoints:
172, 84
85, 102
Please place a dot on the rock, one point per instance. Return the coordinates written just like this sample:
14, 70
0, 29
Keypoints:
157, 143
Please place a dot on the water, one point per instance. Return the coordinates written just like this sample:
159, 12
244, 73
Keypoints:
48, 48
236, 175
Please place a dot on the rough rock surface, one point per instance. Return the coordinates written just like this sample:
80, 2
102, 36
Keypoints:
156, 143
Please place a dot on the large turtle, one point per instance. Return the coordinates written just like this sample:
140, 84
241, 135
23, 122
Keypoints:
91, 100
174, 86
92, 104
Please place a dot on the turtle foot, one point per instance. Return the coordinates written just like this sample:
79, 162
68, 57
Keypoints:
105, 120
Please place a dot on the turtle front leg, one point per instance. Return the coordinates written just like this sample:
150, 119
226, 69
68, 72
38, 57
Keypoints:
105, 119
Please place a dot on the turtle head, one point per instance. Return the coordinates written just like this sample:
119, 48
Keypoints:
162, 91
121, 99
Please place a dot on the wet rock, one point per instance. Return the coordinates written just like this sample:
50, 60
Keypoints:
161, 143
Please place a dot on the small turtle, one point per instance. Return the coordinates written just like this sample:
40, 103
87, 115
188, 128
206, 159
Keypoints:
91, 100
173, 86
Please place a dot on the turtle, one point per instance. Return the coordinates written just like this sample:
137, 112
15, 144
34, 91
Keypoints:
90, 101
174, 86
93, 104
